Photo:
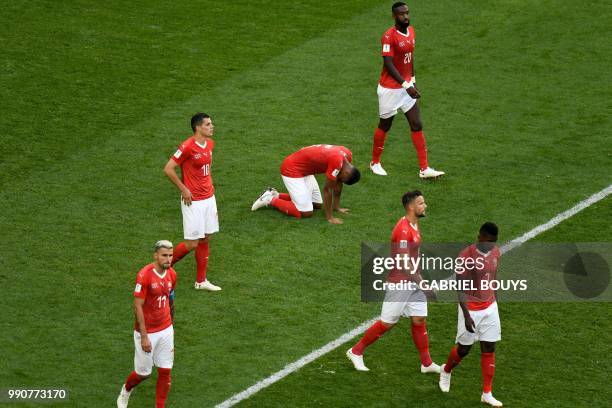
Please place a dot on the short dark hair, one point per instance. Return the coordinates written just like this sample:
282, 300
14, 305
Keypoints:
196, 120
353, 177
490, 229
409, 197
396, 5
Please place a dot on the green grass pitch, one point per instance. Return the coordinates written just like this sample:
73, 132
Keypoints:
96, 96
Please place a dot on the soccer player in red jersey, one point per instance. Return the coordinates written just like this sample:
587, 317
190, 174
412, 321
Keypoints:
153, 331
412, 303
478, 313
298, 170
198, 203
397, 90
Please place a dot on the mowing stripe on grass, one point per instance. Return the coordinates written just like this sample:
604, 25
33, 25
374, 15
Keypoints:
332, 345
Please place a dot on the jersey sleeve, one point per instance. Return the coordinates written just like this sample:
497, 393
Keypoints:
182, 153
387, 45
142, 284
334, 165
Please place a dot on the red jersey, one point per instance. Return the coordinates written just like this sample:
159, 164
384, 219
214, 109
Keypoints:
155, 289
399, 46
405, 239
316, 159
483, 267
195, 160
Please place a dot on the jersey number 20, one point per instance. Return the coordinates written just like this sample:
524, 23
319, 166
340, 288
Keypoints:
407, 58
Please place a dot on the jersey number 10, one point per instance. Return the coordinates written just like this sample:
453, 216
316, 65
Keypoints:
206, 169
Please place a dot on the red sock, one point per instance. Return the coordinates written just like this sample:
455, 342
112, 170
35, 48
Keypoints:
371, 335
379, 145
286, 207
487, 364
452, 360
179, 252
201, 255
132, 381
163, 387
418, 140
284, 196
421, 341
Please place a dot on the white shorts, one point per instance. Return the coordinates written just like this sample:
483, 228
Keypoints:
303, 191
161, 355
405, 303
390, 100
200, 218
488, 326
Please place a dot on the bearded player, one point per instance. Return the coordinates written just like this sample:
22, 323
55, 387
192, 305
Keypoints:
478, 314
198, 203
153, 330
397, 90
405, 239
298, 170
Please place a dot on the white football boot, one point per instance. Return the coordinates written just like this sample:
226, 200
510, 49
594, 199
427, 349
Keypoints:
264, 199
488, 398
432, 368
356, 360
206, 285
430, 173
124, 397
444, 380
377, 168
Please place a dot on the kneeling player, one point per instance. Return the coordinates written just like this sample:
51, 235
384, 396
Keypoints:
478, 313
405, 239
153, 331
298, 170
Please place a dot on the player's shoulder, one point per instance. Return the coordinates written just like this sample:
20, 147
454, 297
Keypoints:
401, 227
187, 143
389, 34
145, 272
468, 251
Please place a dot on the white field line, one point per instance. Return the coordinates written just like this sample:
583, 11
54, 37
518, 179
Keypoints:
296, 365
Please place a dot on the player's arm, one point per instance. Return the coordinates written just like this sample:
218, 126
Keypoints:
144, 338
337, 194
329, 190
410, 87
462, 298
171, 302
170, 170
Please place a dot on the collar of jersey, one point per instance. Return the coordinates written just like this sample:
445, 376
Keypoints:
157, 273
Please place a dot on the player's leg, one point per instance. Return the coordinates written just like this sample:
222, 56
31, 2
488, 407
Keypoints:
209, 225
413, 115
300, 205
371, 335
389, 316
315, 192
421, 342
163, 358
388, 103
489, 331
416, 309
143, 365
191, 227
